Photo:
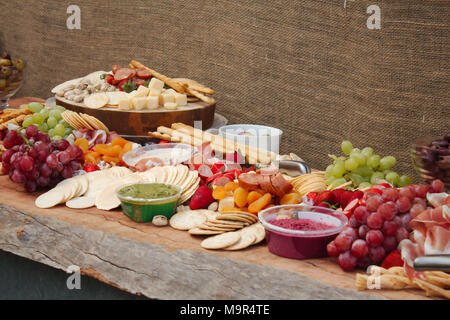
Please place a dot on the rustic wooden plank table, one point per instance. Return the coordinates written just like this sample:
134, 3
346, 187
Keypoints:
163, 263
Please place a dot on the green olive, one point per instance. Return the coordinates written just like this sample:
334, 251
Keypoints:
6, 71
19, 64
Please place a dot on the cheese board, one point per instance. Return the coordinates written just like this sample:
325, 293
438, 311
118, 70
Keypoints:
140, 122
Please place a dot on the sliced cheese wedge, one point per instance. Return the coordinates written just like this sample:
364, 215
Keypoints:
96, 100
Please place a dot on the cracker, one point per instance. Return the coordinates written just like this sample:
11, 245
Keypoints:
225, 223
247, 215
206, 227
259, 232
234, 217
160, 174
221, 241
49, 199
81, 202
210, 215
247, 239
203, 232
171, 174
182, 172
186, 220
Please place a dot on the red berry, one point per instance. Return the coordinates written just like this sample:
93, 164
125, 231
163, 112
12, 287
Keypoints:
387, 210
343, 242
390, 194
360, 248
332, 250
374, 237
361, 213
377, 254
421, 190
403, 204
347, 261
437, 186
375, 220
373, 203
202, 198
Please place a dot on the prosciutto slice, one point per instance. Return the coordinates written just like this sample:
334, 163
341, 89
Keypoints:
430, 235
95, 136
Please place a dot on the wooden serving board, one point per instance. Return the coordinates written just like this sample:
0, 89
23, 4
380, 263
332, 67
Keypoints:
139, 123
161, 262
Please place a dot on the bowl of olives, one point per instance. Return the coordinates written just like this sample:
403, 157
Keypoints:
431, 159
11, 77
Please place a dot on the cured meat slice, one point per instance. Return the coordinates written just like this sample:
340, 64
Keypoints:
143, 73
249, 181
280, 184
437, 241
266, 185
124, 74
267, 171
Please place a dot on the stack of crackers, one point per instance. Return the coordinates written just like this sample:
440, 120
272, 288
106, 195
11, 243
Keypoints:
13, 116
311, 182
82, 120
194, 90
179, 175
228, 231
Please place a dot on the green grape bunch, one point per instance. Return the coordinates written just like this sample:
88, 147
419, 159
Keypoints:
363, 168
48, 120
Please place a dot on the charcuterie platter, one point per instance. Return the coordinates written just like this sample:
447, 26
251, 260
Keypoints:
137, 99
228, 189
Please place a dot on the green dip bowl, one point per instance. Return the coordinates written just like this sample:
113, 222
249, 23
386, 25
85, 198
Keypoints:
141, 202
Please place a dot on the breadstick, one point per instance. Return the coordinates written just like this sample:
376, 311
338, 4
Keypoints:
251, 153
168, 81
161, 136
386, 281
192, 84
200, 95
432, 290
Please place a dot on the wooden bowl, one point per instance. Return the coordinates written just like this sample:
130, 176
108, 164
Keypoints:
139, 123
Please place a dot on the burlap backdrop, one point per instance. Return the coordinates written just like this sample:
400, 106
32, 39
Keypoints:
310, 67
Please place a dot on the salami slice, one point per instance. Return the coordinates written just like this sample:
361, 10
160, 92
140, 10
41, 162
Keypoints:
249, 181
143, 73
124, 74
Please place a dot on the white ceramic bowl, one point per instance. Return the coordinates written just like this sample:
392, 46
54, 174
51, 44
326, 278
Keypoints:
263, 137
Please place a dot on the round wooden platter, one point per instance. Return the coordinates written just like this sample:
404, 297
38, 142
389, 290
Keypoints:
140, 122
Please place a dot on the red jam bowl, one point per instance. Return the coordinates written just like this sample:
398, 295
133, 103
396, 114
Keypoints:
301, 231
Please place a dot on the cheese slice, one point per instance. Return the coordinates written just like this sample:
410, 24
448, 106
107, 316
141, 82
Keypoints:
125, 104
167, 97
180, 99
154, 92
142, 91
152, 102
170, 105
139, 103
156, 84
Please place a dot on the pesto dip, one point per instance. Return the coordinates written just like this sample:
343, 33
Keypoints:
148, 191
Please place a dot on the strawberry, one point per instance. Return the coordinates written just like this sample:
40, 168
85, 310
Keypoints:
346, 197
338, 193
327, 196
311, 195
109, 78
202, 198
393, 259
218, 167
91, 167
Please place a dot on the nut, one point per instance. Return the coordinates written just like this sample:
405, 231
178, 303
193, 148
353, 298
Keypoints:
213, 206
160, 221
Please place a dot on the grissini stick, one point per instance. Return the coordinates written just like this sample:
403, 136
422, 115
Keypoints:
169, 81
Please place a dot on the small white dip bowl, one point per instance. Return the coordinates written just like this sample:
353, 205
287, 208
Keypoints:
263, 137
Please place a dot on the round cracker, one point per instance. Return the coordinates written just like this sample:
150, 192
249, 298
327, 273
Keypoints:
160, 174
203, 232
81, 202
181, 174
247, 239
186, 220
221, 241
49, 199
188, 193
210, 215
235, 217
189, 180
171, 174
82, 121
215, 228
259, 231
225, 223
245, 214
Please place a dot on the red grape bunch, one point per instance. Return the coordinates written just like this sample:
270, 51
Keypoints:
376, 227
34, 160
